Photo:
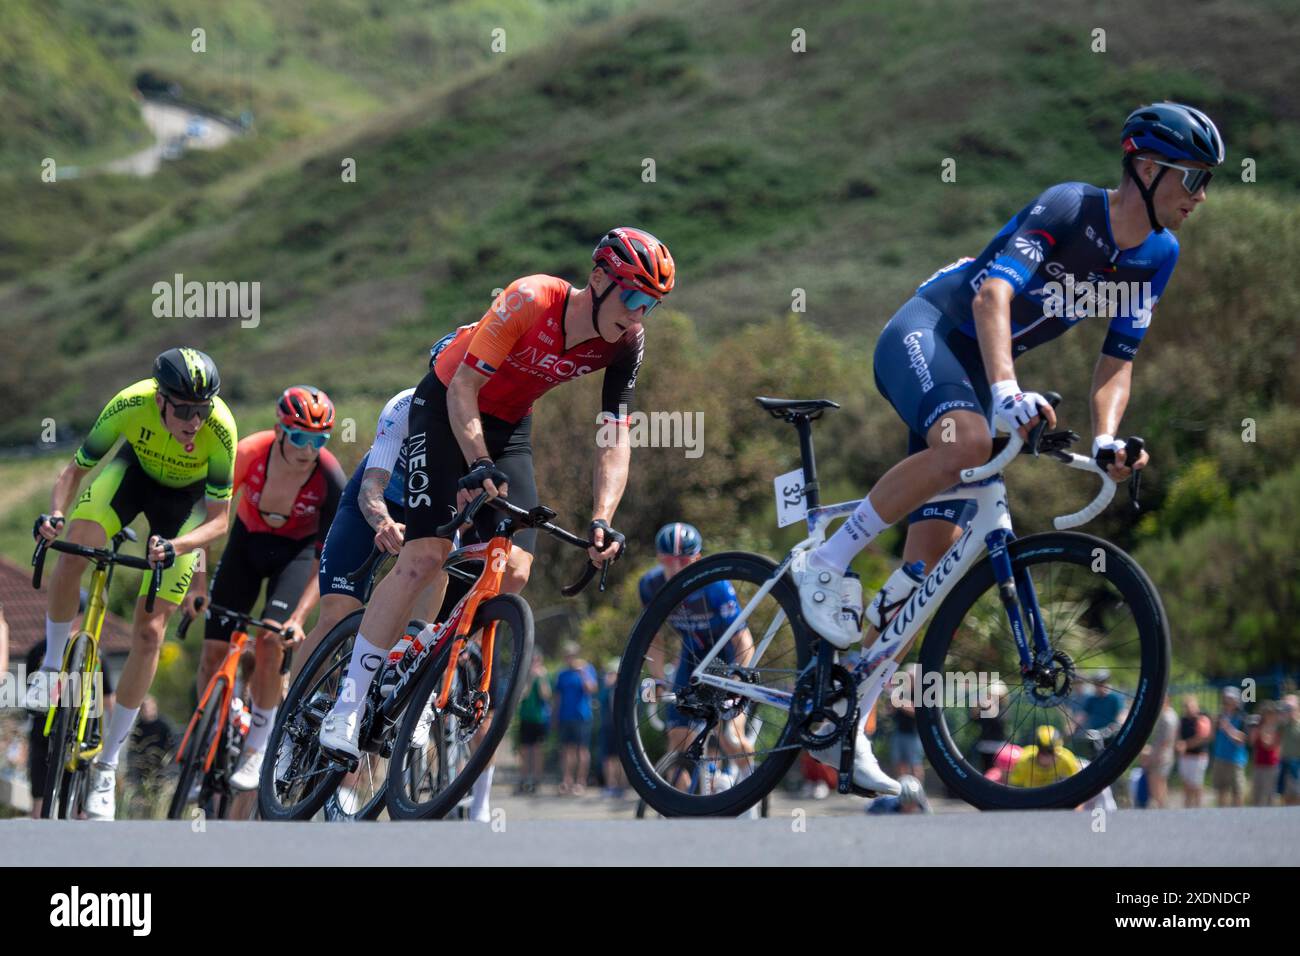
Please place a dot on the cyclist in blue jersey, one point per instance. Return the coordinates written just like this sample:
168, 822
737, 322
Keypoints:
945, 359
370, 515
699, 621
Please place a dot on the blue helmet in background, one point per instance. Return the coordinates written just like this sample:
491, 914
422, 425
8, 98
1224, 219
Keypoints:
679, 538
1173, 130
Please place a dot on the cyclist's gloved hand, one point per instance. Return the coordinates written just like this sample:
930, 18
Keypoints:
603, 538
47, 527
1016, 409
162, 553
486, 476
1106, 443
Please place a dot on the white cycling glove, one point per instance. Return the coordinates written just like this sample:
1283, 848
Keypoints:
1012, 407
1106, 442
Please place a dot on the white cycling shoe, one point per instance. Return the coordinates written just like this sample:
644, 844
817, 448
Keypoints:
341, 733
866, 769
101, 801
820, 596
249, 771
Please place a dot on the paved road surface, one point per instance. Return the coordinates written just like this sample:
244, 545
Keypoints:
1132, 838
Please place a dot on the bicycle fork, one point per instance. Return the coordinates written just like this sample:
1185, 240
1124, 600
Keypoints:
1017, 594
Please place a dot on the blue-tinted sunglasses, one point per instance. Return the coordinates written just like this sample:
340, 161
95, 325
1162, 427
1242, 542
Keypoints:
634, 299
301, 439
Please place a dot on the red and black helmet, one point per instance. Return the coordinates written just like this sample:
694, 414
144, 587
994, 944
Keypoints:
305, 408
637, 260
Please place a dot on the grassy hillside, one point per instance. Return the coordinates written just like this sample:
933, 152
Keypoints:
774, 171
304, 69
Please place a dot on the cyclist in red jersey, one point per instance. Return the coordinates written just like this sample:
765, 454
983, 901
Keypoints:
289, 488
470, 430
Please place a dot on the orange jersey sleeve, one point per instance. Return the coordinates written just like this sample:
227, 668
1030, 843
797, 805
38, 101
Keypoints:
513, 313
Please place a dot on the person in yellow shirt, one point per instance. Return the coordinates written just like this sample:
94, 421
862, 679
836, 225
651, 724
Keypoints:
1044, 762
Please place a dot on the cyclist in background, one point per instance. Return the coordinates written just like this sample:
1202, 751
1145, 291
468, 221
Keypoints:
371, 515
176, 466
471, 424
288, 486
945, 359
699, 620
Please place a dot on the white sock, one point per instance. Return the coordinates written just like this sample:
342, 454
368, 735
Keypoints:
859, 530
56, 642
263, 721
120, 722
363, 666
480, 806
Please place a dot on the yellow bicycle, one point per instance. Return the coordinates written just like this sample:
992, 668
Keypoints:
72, 723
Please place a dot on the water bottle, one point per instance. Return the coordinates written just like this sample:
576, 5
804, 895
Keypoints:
403, 655
898, 588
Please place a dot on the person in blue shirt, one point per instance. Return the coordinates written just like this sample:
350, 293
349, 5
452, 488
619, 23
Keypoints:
698, 623
1229, 752
574, 687
945, 361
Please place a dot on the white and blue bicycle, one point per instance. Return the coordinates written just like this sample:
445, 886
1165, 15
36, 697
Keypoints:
1039, 613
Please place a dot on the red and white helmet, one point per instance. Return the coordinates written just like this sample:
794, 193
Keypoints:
305, 408
637, 260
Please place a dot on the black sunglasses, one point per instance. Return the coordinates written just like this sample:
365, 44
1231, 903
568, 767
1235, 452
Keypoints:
187, 410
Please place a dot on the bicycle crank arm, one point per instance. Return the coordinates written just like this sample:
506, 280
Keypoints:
847, 743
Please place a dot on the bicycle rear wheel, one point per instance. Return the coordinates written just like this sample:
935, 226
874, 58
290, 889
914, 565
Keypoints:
1099, 611
206, 727
685, 728
437, 755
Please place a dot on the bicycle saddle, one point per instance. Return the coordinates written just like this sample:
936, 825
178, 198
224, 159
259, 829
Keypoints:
796, 407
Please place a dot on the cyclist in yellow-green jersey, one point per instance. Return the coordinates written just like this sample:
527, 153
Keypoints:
175, 466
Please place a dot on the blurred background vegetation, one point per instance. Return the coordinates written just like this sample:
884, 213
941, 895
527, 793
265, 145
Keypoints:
775, 171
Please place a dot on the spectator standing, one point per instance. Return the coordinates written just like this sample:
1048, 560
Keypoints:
905, 745
534, 721
1194, 733
992, 721
1229, 773
1266, 744
1289, 782
575, 685
615, 783
1102, 711
1158, 757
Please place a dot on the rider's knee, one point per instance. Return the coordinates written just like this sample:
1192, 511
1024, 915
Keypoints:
969, 448
149, 634
420, 561
517, 572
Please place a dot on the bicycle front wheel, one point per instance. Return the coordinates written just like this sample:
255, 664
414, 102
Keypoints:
439, 753
196, 753
1100, 613
695, 749
64, 747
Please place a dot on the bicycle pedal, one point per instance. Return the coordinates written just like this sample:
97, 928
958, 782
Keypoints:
340, 761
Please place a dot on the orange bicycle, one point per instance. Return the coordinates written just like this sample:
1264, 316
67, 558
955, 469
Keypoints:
215, 735
430, 727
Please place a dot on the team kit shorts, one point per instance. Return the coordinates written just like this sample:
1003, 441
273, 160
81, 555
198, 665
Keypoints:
123, 491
